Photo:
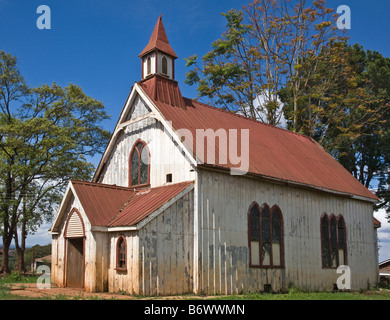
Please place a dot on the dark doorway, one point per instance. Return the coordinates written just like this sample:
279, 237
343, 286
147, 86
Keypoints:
75, 263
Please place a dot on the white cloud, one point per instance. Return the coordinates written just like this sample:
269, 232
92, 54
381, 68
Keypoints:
383, 235
41, 237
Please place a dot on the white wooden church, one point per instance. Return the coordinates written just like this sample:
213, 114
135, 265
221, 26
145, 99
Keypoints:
265, 209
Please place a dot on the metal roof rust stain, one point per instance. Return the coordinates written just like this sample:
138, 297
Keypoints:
110, 205
146, 202
159, 41
100, 201
273, 152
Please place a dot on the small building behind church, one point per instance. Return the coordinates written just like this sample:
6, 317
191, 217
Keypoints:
189, 198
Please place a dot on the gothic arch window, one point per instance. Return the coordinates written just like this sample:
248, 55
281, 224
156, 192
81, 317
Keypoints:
265, 226
164, 65
333, 241
148, 66
139, 164
121, 256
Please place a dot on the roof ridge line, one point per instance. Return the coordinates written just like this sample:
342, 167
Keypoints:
136, 193
101, 185
250, 119
122, 208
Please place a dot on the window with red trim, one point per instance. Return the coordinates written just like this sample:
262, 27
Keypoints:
139, 165
121, 253
164, 63
265, 236
333, 241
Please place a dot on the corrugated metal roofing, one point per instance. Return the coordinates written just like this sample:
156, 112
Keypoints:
159, 40
377, 223
100, 201
165, 90
273, 152
110, 205
144, 202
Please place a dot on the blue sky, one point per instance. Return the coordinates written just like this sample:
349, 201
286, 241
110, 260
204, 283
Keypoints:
95, 44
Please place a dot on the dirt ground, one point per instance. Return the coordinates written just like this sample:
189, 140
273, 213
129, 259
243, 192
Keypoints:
31, 290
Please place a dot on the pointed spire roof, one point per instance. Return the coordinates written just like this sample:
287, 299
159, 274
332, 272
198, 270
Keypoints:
159, 40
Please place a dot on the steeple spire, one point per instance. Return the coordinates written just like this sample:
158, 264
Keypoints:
158, 69
159, 41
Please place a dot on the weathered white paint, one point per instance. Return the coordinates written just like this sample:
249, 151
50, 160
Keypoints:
92, 251
169, 65
223, 203
159, 255
152, 64
166, 251
199, 243
166, 154
75, 226
137, 110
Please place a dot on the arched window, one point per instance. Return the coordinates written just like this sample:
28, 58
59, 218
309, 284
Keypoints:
121, 257
164, 65
148, 66
341, 241
325, 243
254, 234
333, 241
265, 236
139, 164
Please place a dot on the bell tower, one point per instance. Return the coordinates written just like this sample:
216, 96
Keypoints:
158, 57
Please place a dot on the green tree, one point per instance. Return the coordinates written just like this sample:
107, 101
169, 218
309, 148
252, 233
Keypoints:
261, 51
46, 135
349, 118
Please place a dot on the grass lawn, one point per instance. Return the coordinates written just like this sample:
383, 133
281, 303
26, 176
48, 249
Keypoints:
293, 294
300, 295
13, 278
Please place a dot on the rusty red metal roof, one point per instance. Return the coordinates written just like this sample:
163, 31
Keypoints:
159, 41
273, 152
110, 205
164, 90
146, 201
101, 201
377, 223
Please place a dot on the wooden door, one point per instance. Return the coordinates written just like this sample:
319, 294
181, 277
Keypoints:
75, 263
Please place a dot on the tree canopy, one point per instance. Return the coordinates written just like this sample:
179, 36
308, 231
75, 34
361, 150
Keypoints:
47, 134
282, 59
261, 51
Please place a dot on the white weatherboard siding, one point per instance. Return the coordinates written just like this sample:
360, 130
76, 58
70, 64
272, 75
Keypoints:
159, 255
166, 251
166, 156
223, 202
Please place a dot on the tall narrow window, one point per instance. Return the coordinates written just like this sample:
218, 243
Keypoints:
164, 65
121, 253
254, 234
148, 66
342, 240
139, 164
333, 241
265, 223
325, 243
277, 222
265, 236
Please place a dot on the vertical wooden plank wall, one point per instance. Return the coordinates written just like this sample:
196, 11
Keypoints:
91, 273
223, 202
166, 250
124, 281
